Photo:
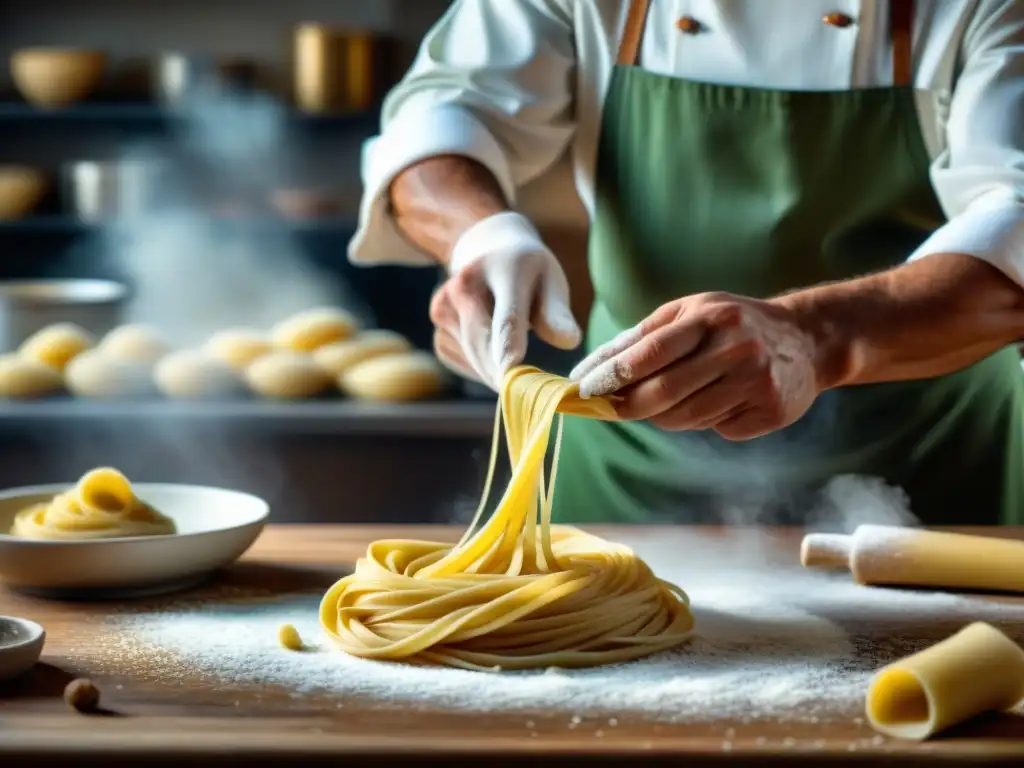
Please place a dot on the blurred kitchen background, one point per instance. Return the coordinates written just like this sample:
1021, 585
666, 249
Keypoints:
193, 166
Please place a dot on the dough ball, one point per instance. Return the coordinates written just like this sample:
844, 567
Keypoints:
23, 377
194, 375
338, 357
135, 343
238, 347
288, 636
82, 695
312, 329
57, 345
95, 375
395, 378
287, 375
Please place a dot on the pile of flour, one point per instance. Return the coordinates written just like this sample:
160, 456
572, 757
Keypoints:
762, 650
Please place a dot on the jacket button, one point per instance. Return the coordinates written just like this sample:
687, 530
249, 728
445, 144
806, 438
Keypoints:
689, 25
840, 20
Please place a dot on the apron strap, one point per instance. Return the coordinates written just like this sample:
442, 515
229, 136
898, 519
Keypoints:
629, 46
901, 22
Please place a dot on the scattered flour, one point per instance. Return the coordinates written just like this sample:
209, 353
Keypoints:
763, 649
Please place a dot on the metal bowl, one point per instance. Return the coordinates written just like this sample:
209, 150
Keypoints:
21, 643
27, 306
98, 191
181, 77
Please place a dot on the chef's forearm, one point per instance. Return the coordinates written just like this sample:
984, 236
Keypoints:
923, 319
436, 200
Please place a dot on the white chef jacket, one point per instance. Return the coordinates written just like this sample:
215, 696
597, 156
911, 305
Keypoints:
513, 84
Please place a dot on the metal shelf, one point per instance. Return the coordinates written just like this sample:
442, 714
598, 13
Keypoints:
457, 417
152, 115
69, 225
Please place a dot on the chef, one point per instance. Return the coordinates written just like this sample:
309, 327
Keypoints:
806, 243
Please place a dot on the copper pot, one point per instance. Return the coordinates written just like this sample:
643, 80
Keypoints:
334, 69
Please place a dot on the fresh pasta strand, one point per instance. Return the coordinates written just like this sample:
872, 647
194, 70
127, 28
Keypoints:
516, 592
102, 505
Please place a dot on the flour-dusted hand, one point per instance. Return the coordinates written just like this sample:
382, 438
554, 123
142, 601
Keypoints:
740, 366
503, 282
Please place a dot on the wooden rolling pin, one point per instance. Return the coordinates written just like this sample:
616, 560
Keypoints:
878, 554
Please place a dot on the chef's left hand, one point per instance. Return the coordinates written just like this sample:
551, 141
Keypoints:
743, 367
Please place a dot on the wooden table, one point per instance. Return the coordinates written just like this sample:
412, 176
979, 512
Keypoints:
200, 721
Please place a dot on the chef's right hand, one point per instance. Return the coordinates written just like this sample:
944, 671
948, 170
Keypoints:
503, 283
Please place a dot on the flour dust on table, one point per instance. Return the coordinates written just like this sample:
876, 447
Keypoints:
761, 651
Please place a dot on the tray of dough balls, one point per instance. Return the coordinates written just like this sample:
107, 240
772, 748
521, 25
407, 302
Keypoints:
316, 363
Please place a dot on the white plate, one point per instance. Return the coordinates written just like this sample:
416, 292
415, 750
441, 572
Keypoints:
21, 643
215, 527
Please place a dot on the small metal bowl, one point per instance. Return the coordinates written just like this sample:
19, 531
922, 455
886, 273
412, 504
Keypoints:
21, 644
27, 306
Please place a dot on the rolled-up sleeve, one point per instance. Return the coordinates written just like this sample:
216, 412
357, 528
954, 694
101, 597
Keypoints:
492, 82
979, 179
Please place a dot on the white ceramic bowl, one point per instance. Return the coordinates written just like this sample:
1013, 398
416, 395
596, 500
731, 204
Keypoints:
21, 643
215, 527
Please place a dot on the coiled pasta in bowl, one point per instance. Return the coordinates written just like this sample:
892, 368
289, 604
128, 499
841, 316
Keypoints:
101, 505
104, 536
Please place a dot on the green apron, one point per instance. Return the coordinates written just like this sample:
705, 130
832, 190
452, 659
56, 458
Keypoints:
703, 187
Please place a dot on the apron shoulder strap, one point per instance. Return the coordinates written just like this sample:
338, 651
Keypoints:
632, 34
901, 23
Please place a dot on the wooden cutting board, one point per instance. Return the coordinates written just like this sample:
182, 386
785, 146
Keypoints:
192, 719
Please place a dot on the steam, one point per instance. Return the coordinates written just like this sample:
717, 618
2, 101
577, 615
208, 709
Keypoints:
842, 504
464, 506
773, 481
201, 246
202, 250
848, 501
777, 479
